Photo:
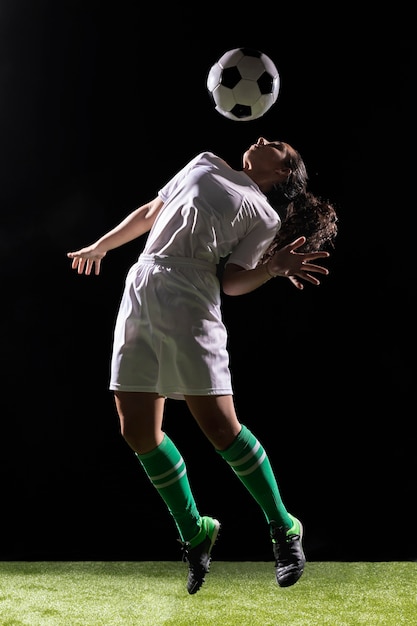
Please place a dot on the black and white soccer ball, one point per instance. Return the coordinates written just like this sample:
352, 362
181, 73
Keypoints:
243, 84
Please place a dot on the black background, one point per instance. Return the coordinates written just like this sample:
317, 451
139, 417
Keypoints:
100, 104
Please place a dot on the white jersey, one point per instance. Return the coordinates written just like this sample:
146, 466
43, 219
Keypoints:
212, 211
169, 336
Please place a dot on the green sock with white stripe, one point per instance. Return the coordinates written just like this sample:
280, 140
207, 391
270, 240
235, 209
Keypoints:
249, 461
167, 472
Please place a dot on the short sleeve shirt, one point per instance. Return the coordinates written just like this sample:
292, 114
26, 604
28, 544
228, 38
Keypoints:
212, 211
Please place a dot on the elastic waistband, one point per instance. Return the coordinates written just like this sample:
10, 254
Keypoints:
175, 261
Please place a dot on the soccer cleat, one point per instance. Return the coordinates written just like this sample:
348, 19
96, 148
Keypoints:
288, 552
197, 553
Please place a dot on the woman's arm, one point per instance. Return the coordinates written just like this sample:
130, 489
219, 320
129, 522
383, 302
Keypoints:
137, 223
285, 262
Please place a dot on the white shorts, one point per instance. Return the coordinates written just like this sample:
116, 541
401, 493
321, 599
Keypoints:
169, 336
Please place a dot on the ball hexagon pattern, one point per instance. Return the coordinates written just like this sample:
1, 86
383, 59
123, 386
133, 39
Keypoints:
243, 84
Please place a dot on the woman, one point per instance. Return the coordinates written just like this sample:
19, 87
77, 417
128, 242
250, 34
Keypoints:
170, 340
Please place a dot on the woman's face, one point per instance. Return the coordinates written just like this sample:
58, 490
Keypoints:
268, 160
266, 154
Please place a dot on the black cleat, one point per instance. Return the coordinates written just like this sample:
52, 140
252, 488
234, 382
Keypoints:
288, 552
198, 556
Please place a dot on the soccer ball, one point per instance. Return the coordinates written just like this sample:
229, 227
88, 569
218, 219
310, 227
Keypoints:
243, 84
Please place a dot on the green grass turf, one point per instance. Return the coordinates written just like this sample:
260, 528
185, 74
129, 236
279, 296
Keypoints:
102, 593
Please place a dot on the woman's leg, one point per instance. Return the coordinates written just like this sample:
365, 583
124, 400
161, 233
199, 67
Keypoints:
217, 418
141, 419
239, 447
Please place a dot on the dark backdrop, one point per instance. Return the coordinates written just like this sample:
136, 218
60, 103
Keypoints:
99, 106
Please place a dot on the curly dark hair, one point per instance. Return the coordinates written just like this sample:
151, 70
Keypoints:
301, 213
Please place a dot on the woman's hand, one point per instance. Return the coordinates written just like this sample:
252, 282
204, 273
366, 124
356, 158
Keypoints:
137, 223
297, 265
85, 259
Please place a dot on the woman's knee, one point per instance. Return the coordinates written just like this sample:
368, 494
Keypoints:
140, 417
217, 418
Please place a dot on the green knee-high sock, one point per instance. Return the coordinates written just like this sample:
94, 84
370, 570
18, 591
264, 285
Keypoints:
167, 472
249, 461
